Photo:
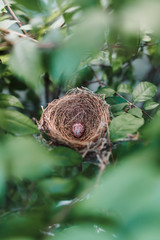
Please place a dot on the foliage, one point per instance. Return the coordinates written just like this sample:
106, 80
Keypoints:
112, 47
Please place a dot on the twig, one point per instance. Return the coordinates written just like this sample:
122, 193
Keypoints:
7, 31
131, 104
47, 83
14, 16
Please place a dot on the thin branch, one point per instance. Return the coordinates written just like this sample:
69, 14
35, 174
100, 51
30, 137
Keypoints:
7, 31
14, 16
47, 83
131, 104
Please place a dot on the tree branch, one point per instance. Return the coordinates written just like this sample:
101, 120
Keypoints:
14, 16
7, 31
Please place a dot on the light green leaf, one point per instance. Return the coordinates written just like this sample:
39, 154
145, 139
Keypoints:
17, 123
84, 231
9, 101
63, 156
25, 158
137, 112
7, 23
107, 91
124, 88
57, 186
144, 91
25, 62
85, 42
150, 104
2, 7
124, 125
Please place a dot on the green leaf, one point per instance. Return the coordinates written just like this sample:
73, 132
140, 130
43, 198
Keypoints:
124, 125
17, 123
57, 186
117, 103
2, 173
129, 195
137, 112
7, 23
144, 91
83, 232
63, 157
9, 101
150, 104
124, 88
26, 158
25, 62
36, 5
84, 42
107, 91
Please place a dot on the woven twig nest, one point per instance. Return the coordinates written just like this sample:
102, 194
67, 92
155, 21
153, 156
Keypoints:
78, 120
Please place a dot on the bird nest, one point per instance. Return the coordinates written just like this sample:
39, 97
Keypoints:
79, 120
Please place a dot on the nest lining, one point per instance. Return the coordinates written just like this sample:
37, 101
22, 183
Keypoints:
77, 106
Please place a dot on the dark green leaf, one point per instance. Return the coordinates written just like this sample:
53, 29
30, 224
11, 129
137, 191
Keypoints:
63, 156
15, 122
9, 101
57, 186
124, 125
2, 173
144, 91
36, 5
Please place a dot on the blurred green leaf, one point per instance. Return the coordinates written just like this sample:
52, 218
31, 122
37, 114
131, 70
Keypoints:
36, 5
124, 88
144, 91
57, 186
128, 194
124, 125
2, 175
17, 123
150, 104
84, 232
85, 42
63, 157
17, 226
9, 101
7, 23
19, 238
25, 62
25, 158
137, 112
107, 91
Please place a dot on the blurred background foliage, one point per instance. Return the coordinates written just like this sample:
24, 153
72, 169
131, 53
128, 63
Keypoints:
113, 48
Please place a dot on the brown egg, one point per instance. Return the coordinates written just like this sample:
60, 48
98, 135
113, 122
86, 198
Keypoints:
77, 129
